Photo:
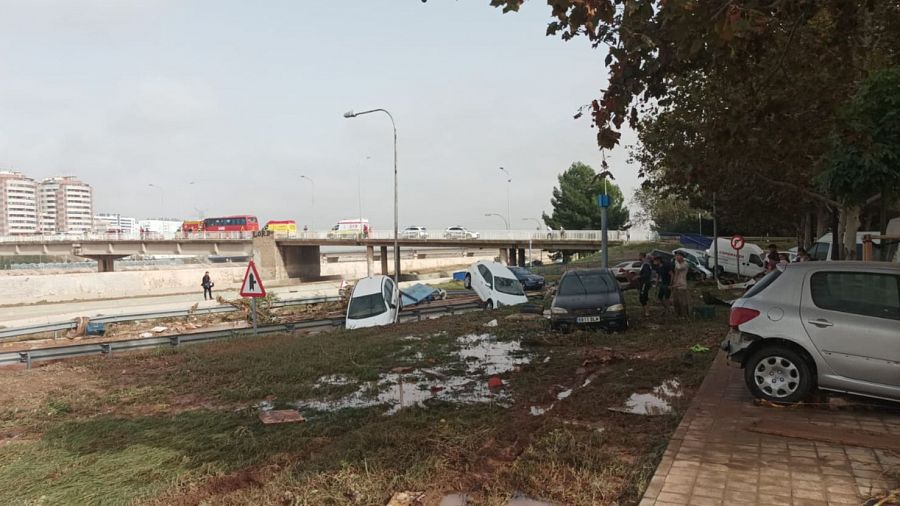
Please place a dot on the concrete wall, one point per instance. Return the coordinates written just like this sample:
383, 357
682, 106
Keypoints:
110, 285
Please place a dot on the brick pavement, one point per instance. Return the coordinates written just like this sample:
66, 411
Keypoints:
713, 460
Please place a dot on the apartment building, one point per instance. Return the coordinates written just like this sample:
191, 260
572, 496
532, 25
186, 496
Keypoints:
18, 204
115, 223
66, 206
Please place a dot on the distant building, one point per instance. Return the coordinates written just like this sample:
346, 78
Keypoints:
18, 204
65, 205
164, 228
105, 223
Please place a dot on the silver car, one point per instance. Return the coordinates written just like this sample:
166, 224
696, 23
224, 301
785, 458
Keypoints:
828, 325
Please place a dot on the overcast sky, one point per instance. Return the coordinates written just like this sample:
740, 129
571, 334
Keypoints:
241, 98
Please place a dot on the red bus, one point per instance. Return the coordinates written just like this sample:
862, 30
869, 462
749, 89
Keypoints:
192, 226
243, 223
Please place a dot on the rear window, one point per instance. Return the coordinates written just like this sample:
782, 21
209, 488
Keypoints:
763, 283
366, 306
584, 284
862, 293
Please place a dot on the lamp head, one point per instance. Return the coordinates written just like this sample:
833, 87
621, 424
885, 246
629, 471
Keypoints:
350, 114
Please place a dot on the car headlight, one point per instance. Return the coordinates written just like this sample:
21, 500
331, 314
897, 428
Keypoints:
616, 307
558, 310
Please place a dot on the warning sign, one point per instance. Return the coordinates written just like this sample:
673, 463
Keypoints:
252, 286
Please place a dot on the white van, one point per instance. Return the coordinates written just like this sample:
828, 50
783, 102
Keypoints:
821, 250
752, 258
375, 301
346, 229
495, 284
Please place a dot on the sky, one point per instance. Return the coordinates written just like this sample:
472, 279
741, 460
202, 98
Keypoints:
223, 105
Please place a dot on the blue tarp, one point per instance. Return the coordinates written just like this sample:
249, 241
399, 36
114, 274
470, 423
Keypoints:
695, 241
416, 294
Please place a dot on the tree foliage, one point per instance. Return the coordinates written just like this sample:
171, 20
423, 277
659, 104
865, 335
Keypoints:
574, 201
864, 155
666, 213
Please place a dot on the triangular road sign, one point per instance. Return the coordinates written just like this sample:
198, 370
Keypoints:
252, 286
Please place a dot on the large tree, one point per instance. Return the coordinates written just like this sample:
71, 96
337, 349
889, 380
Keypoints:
575, 205
733, 97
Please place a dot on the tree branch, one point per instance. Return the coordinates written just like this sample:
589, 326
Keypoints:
804, 191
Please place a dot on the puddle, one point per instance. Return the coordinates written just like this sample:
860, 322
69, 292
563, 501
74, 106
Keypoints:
564, 394
265, 405
657, 402
481, 355
333, 380
539, 411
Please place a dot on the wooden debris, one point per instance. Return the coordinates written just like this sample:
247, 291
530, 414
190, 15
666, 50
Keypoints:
277, 416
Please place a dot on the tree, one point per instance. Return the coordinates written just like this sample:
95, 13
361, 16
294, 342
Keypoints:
666, 213
575, 201
864, 156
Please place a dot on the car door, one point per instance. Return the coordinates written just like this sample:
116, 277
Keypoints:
391, 297
852, 318
484, 286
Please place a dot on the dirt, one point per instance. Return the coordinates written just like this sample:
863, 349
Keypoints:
219, 486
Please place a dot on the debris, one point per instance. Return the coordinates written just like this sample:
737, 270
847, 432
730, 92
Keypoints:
159, 329
838, 403
495, 382
95, 329
435, 389
454, 500
524, 316
546, 359
886, 499
699, 348
492, 323
539, 411
277, 416
585, 425
406, 499
564, 394
146, 334
81, 323
404, 369
603, 355
419, 293
712, 300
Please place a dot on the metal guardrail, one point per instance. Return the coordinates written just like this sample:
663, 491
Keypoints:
108, 348
52, 327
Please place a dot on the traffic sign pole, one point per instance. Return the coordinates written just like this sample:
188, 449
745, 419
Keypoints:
253, 312
603, 201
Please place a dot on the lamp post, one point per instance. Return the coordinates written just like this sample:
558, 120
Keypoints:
604, 202
536, 227
537, 221
312, 217
162, 196
508, 182
501, 217
351, 114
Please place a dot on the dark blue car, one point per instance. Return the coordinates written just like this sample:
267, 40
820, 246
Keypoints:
529, 280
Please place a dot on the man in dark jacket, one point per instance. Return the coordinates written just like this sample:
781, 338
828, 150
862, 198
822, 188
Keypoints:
645, 280
207, 285
664, 289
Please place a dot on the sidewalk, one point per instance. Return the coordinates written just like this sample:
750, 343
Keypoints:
713, 459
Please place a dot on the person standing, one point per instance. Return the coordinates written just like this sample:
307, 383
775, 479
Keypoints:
772, 258
207, 285
664, 288
681, 299
645, 279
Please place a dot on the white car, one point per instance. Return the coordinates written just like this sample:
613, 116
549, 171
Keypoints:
621, 270
375, 302
495, 284
414, 233
458, 232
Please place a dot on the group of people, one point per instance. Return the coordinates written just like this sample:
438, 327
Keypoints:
672, 286
776, 260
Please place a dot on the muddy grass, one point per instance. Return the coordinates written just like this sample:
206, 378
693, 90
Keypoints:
181, 426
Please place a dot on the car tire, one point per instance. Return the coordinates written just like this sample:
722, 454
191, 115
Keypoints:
778, 374
488, 305
467, 282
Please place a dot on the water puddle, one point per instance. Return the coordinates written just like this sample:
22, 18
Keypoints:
333, 380
655, 403
480, 355
564, 394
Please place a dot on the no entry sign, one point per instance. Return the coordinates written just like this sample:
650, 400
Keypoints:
737, 242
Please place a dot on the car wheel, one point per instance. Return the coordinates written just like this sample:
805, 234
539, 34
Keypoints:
467, 282
778, 374
488, 305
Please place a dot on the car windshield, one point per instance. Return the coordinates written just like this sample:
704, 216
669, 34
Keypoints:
506, 285
518, 271
366, 306
584, 284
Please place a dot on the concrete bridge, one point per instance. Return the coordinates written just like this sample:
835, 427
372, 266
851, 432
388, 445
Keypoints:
295, 255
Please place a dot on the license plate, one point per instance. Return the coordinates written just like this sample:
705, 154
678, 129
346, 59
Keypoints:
587, 319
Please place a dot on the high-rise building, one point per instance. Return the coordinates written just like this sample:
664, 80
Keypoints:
18, 204
66, 206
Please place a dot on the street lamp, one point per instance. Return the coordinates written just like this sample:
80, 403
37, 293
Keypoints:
538, 226
604, 202
508, 182
162, 196
313, 212
351, 114
501, 217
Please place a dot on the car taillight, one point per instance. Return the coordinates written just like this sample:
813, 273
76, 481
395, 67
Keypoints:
740, 315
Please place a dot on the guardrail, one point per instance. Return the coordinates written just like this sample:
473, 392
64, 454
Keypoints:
179, 236
5, 334
108, 348
487, 235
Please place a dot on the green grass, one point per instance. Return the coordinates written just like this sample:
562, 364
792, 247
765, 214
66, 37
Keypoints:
177, 425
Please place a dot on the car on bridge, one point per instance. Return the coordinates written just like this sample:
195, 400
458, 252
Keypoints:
414, 232
458, 232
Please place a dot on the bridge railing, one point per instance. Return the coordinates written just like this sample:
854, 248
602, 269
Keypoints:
485, 235
146, 236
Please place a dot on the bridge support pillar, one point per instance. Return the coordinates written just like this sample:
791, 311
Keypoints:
512, 256
283, 262
521, 257
384, 261
106, 263
370, 260
504, 256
